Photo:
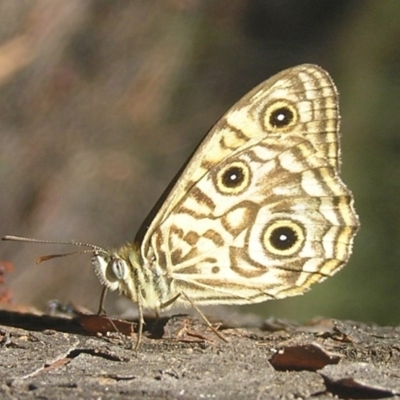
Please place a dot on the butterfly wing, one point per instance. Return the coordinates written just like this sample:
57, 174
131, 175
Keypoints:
259, 211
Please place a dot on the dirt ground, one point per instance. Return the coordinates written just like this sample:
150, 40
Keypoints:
45, 357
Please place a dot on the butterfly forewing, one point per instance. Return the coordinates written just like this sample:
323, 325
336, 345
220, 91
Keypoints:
307, 86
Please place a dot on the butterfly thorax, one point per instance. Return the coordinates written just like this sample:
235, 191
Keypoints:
125, 270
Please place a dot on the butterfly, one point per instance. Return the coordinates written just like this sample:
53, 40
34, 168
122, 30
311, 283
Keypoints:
258, 212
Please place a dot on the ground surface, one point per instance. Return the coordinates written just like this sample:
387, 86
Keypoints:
47, 357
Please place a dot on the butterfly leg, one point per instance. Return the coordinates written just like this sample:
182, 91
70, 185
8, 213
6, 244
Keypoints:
101, 310
141, 322
203, 317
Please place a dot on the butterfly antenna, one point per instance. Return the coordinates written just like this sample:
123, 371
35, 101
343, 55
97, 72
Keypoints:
92, 247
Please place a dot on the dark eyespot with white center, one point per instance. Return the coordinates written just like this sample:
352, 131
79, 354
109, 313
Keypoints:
233, 178
284, 237
280, 116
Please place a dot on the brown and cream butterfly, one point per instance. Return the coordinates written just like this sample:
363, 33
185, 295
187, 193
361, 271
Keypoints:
259, 212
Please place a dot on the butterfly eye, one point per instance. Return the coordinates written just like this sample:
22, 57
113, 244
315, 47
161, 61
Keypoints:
284, 237
117, 270
280, 115
233, 178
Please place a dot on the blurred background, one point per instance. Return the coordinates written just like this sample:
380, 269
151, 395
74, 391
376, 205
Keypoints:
102, 101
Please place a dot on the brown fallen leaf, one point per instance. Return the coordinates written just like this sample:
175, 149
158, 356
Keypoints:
360, 380
309, 356
96, 324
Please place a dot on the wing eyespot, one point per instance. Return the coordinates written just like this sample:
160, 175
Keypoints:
284, 237
280, 116
233, 178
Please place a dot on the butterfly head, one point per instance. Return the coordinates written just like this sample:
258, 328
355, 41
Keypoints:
113, 267
109, 268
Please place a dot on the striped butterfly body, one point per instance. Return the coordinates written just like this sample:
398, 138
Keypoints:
258, 213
